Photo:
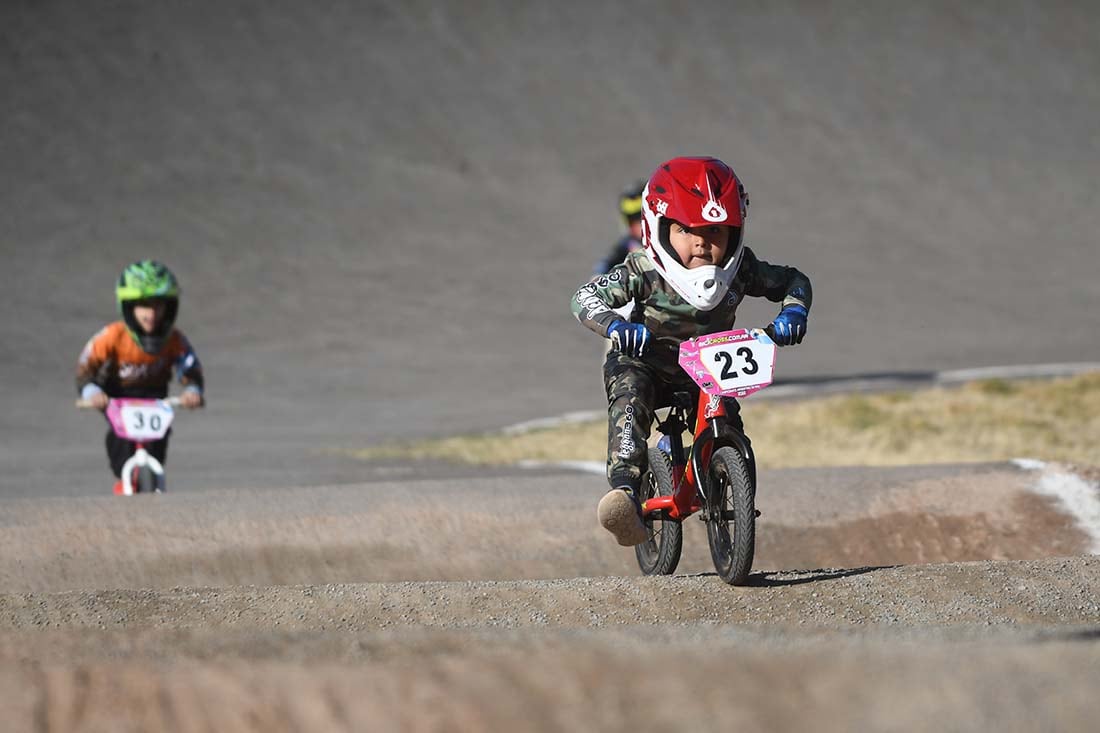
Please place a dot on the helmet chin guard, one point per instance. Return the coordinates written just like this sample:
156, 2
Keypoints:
694, 192
702, 287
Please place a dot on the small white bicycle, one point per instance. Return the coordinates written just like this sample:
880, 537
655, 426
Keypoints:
141, 421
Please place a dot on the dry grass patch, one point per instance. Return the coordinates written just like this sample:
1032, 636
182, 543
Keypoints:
987, 420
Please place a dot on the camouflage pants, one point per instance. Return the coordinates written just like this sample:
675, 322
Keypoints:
635, 389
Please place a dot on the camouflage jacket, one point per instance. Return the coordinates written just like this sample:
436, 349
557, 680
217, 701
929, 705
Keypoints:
668, 316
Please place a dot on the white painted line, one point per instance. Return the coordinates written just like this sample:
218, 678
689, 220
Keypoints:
1079, 498
1024, 371
878, 382
553, 422
597, 467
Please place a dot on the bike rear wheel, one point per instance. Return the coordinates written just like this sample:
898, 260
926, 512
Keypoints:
660, 553
731, 518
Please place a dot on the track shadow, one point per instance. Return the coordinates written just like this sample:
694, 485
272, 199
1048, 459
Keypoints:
769, 579
1090, 635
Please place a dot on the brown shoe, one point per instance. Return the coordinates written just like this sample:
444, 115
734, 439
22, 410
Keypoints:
618, 514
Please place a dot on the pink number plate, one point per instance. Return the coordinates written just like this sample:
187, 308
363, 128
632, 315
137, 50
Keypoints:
730, 363
139, 419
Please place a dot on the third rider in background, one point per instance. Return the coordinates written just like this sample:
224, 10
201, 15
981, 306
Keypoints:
630, 213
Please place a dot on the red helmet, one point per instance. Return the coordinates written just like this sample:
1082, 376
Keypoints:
694, 192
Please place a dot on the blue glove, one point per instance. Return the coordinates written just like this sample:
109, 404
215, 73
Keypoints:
789, 327
629, 338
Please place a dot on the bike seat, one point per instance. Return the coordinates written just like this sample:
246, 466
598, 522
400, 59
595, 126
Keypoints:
684, 400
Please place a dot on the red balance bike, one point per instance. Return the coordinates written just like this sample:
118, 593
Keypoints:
715, 476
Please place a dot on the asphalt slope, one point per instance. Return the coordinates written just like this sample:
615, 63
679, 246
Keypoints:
378, 210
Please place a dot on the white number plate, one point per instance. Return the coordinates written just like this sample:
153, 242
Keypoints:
139, 419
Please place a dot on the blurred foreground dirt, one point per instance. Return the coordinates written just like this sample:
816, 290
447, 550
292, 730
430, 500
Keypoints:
915, 598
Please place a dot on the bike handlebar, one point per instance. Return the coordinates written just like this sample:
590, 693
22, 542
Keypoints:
174, 401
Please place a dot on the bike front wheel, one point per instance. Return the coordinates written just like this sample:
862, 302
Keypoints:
731, 518
660, 553
146, 481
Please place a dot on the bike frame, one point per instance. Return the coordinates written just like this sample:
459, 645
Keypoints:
689, 474
141, 459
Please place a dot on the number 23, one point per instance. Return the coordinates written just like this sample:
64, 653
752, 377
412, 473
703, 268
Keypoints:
726, 358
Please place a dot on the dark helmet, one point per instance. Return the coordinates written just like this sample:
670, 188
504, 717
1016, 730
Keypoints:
630, 203
144, 281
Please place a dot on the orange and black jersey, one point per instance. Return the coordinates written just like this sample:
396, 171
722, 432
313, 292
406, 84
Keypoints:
116, 363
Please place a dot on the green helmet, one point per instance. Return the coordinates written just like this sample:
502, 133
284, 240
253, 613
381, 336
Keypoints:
148, 280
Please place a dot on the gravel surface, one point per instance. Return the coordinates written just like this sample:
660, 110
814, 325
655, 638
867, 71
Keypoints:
397, 605
1063, 591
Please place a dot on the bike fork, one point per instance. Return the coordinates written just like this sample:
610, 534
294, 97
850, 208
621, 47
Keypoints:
141, 459
742, 447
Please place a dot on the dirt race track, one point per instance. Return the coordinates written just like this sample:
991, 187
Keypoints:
381, 606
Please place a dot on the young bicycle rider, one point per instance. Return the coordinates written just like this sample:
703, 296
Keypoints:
135, 357
688, 280
630, 212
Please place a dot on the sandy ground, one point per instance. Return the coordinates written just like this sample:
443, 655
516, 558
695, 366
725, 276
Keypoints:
926, 598
641, 679
509, 528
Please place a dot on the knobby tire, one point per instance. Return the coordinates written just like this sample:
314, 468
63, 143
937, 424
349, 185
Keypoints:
660, 553
732, 542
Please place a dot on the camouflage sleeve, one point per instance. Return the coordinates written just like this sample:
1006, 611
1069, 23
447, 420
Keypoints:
188, 366
777, 283
92, 359
593, 304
